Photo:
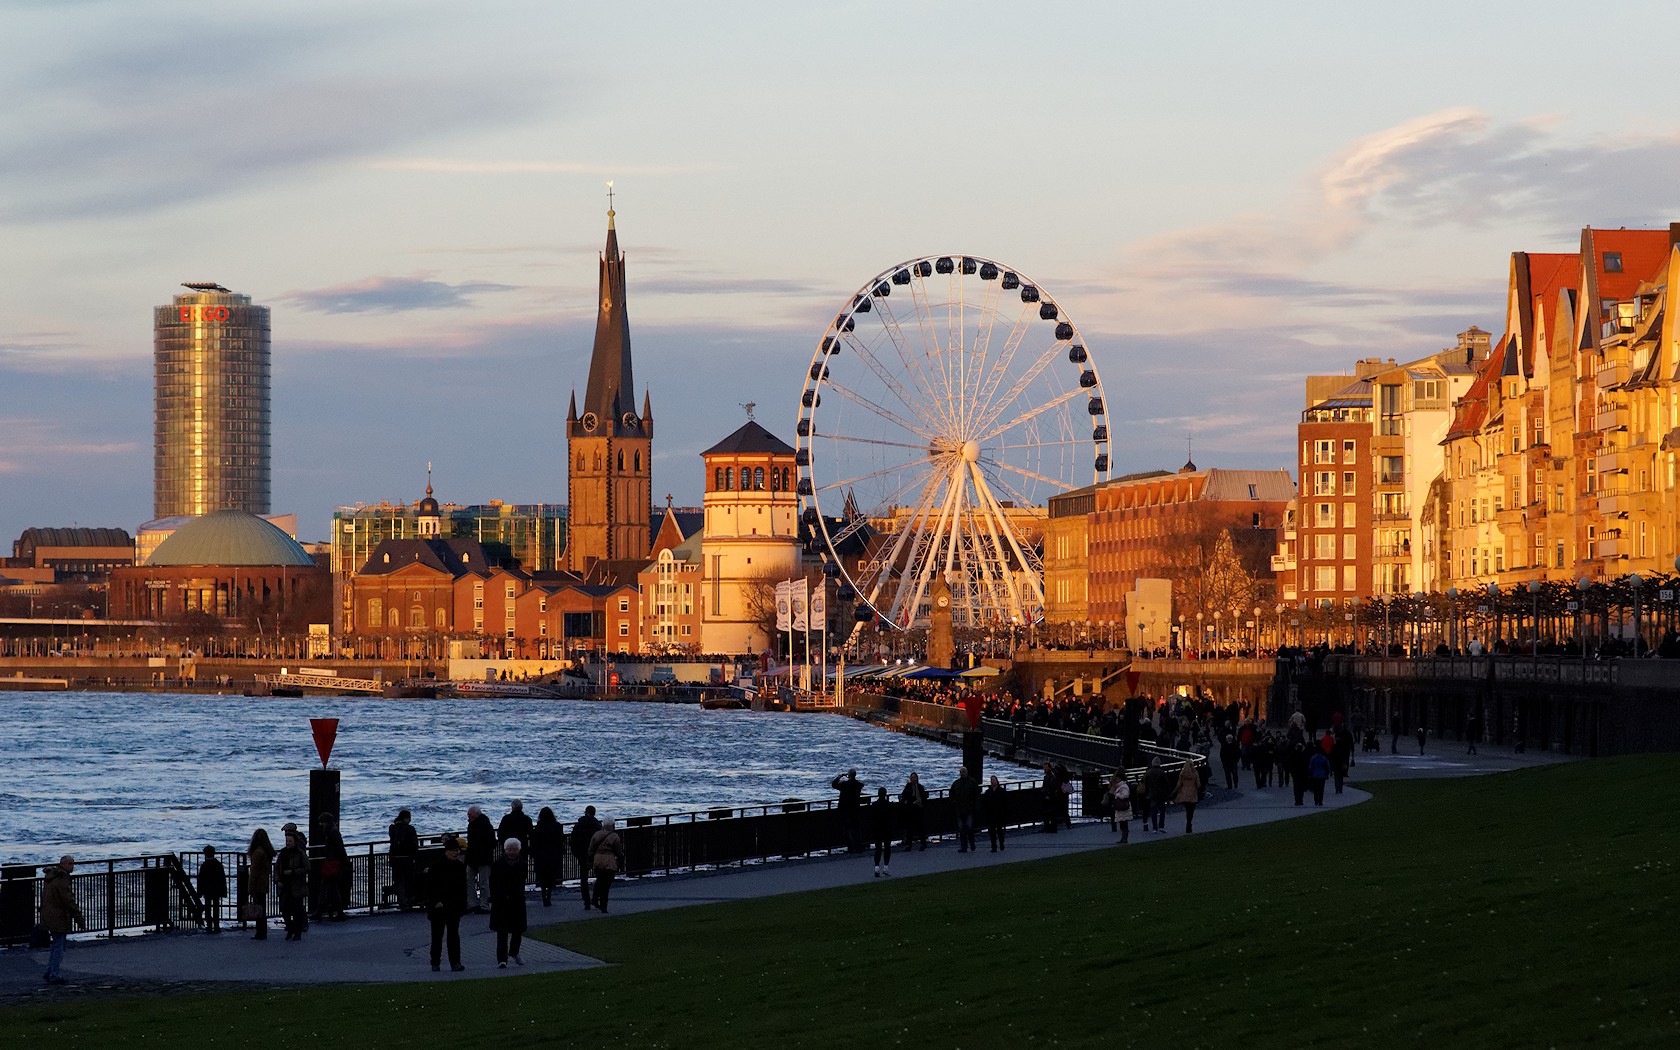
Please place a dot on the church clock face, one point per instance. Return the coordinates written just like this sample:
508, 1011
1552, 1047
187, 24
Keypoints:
590, 421
629, 421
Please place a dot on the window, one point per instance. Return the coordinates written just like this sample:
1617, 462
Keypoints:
1324, 483
1559, 562
1612, 262
758, 479
417, 617
512, 592
1347, 483
510, 630
440, 621
1347, 451
1326, 515
1324, 546
1393, 471
1350, 578
728, 477
1350, 546
624, 605
717, 479
1324, 452
376, 612
542, 628
542, 604
623, 630
1324, 578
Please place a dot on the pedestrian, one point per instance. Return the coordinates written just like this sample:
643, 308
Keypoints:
1159, 787
212, 888
1064, 795
965, 802
1230, 755
1318, 771
259, 864
507, 902
446, 901
404, 855
1296, 767
515, 825
583, 833
995, 804
1120, 806
1473, 730
481, 853
849, 806
292, 879
58, 911
1341, 756
606, 858
912, 803
1187, 792
881, 831
548, 848
335, 864
1421, 735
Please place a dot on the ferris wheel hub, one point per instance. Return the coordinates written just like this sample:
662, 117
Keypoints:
970, 451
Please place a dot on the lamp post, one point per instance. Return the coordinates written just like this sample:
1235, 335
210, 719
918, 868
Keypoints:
1493, 609
1201, 638
1418, 613
1638, 582
1353, 603
1534, 617
1218, 635
1452, 621
1388, 641
1583, 585
1257, 630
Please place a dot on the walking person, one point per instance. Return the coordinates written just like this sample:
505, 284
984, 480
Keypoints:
481, 853
291, 878
548, 848
965, 801
1230, 755
1341, 756
259, 864
58, 911
1318, 771
583, 833
515, 825
1421, 736
606, 853
912, 803
1052, 792
309, 887
1120, 806
507, 902
446, 901
405, 855
850, 808
881, 831
212, 888
1159, 788
995, 804
1187, 792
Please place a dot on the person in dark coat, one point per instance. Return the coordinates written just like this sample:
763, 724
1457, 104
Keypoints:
481, 853
912, 803
259, 865
335, 869
1230, 757
1296, 764
583, 833
995, 804
507, 902
291, 878
606, 857
881, 821
212, 888
1318, 771
1341, 756
1052, 792
965, 802
446, 901
405, 854
548, 850
515, 825
1159, 789
58, 911
849, 807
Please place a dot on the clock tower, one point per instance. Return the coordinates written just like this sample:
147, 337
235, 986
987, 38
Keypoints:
940, 648
609, 444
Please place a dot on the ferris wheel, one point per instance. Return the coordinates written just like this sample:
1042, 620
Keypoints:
948, 400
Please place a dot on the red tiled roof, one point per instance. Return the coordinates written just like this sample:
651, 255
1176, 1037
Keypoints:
1643, 253
1471, 410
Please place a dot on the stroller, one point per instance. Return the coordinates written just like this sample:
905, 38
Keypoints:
1371, 743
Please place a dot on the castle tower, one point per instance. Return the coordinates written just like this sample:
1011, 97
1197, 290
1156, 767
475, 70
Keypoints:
751, 536
609, 446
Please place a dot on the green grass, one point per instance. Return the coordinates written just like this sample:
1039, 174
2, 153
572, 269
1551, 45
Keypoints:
1530, 909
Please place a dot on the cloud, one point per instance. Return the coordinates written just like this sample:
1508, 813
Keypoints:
175, 110
391, 295
699, 284
450, 166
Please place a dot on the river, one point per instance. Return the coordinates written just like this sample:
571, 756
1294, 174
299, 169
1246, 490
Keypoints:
117, 774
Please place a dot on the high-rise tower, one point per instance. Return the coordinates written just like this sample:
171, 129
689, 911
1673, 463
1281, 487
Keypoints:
210, 363
610, 447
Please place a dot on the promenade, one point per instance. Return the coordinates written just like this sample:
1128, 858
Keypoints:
392, 948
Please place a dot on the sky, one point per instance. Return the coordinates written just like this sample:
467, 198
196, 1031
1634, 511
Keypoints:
1226, 196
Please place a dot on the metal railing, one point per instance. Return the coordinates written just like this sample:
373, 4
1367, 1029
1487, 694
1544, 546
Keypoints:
115, 895
1082, 749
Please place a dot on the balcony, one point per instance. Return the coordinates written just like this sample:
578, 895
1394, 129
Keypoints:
1611, 548
1392, 550
1391, 478
1509, 516
1614, 502
1282, 563
1612, 418
1614, 461
1612, 374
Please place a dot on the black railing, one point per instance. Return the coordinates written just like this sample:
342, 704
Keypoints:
157, 892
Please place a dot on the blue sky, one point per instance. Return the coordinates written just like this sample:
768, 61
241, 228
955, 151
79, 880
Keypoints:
1225, 196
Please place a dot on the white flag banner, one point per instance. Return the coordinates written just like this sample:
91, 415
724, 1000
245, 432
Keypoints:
797, 589
783, 593
819, 608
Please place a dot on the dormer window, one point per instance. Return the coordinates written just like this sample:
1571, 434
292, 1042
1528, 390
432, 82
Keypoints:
1612, 262
387, 558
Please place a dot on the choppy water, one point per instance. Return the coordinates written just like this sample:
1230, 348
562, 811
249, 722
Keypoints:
112, 774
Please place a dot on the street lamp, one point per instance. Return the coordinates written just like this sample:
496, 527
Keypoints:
1493, 607
1218, 637
1418, 613
1534, 617
1388, 604
1353, 603
1452, 622
1201, 638
1638, 582
1583, 585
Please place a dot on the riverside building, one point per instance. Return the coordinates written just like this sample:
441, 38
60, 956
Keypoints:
210, 364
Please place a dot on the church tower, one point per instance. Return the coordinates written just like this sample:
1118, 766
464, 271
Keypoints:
610, 446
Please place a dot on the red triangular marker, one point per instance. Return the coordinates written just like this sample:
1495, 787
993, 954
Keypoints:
325, 731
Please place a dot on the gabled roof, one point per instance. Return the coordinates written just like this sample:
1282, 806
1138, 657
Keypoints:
456, 557
750, 438
1471, 411
1642, 251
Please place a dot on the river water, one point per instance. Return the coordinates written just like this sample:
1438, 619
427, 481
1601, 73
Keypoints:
116, 774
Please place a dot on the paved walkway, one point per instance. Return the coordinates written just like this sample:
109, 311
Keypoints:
387, 948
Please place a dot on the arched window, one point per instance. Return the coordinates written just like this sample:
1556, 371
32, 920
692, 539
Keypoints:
580, 460
717, 478
638, 461
620, 459
775, 480
758, 479
441, 622
376, 612
417, 617
394, 620
728, 477
784, 479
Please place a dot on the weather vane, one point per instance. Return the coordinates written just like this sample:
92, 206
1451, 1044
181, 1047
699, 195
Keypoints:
749, 406
609, 195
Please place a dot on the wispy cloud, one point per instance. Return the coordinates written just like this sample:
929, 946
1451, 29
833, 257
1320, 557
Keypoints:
457, 166
392, 295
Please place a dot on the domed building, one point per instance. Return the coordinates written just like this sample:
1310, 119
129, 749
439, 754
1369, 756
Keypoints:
229, 564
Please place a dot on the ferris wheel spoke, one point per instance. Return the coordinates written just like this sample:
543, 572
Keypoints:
1011, 596
1077, 441
1033, 413
1025, 473
1022, 383
1033, 567
927, 556
913, 364
1005, 362
885, 568
881, 410
933, 351
922, 448
888, 378
849, 482
1001, 529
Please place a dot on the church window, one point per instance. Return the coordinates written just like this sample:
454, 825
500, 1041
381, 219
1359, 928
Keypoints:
638, 462
784, 479
717, 478
728, 477
393, 619
775, 480
597, 461
376, 612
758, 479
620, 459
580, 460
438, 620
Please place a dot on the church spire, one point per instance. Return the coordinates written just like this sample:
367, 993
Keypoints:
610, 395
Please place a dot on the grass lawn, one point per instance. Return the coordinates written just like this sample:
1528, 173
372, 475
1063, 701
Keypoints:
1529, 909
